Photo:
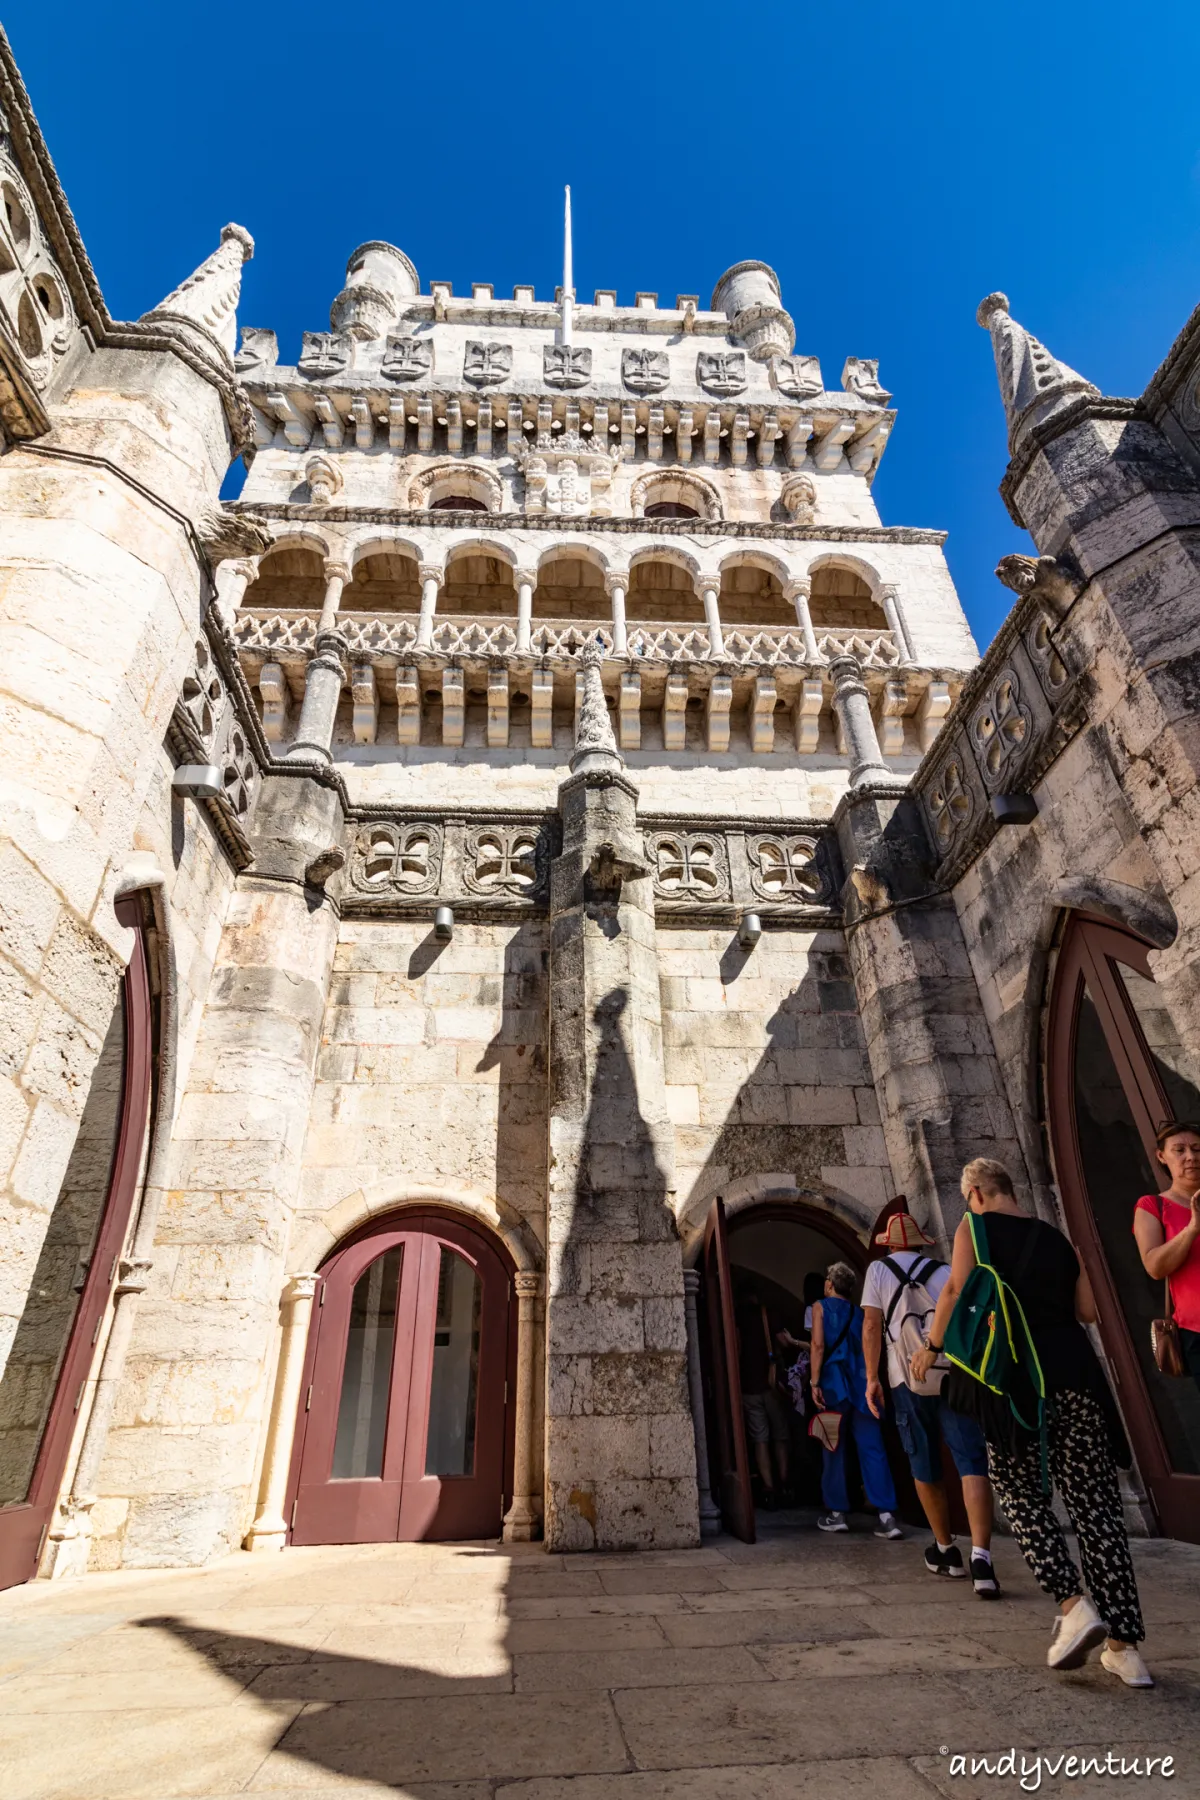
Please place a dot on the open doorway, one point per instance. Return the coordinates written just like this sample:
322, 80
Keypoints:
776, 1257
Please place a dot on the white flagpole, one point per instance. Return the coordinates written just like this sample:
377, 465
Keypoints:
568, 281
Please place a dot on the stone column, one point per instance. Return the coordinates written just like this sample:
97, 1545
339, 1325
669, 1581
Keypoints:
431, 583
710, 1512
233, 577
521, 1519
269, 1530
616, 585
712, 618
799, 593
322, 691
526, 580
853, 704
889, 599
620, 1446
336, 577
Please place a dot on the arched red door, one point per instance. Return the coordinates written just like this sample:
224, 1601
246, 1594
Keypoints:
404, 1430
1115, 1070
45, 1375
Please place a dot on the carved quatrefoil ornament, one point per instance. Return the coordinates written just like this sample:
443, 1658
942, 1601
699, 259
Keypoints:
397, 859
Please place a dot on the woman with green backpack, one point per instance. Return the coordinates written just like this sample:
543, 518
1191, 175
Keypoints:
1011, 1321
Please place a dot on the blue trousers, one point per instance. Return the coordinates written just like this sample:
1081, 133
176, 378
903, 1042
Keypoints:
872, 1460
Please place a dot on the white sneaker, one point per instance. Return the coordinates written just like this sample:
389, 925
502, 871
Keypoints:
834, 1521
1128, 1665
1076, 1635
888, 1526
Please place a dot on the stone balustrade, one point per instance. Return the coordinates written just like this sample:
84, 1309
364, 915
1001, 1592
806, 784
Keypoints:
761, 675
272, 634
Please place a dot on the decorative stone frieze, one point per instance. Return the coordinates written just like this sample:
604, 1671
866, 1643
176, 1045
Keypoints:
785, 869
566, 366
323, 353
405, 860
207, 727
506, 860
406, 358
485, 364
645, 371
1001, 729
688, 867
567, 474
721, 371
799, 377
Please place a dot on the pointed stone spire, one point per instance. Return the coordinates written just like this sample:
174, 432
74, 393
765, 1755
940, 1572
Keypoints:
207, 300
595, 744
1033, 384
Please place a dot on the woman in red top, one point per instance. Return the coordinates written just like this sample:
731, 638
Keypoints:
1167, 1229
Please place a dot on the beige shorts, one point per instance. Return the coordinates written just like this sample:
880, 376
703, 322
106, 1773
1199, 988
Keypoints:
768, 1416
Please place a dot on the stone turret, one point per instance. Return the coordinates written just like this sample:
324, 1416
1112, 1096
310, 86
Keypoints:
749, 295
1033, 384
206, 303
379, 278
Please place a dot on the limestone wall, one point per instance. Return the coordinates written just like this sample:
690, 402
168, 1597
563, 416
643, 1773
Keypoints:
431, 1073
768, 1082
100, 602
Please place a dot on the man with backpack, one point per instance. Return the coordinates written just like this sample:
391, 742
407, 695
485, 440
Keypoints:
899, 1299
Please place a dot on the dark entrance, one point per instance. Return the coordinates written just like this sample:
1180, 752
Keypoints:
1116, 1070
46, 1375
771, 1249
405, 1428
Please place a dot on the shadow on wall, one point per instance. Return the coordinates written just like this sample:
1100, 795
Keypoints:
779, 1119
518, 1050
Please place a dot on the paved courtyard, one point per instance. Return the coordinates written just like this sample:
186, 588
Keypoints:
801, 1668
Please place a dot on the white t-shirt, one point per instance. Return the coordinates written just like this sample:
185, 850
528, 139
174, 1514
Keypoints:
881, 1284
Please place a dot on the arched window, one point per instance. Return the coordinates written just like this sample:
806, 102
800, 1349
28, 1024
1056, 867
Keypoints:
385, 581
1116, 1068
290, 579
457, 503
670, 509
754, 596
662, 591
568, 587
842, 601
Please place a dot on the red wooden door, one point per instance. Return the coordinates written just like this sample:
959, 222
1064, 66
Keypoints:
1115, 1071
734, 1494
46, 1374
403, 1429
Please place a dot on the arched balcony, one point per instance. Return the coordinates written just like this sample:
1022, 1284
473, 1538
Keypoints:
662, 591
841, 601
291, 578
385, 581
478, 583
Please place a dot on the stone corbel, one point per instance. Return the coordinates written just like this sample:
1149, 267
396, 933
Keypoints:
296, 428
333, 428
366, 702
616, 860
364, 422
828, 452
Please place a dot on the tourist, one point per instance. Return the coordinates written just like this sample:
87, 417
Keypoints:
1084, 1437
839, 1384
767, 1411
1167, 1228
899, 1295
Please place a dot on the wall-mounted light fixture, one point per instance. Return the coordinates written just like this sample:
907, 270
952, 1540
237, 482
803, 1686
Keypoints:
1014, 809
749, 931
198, 781
443, 924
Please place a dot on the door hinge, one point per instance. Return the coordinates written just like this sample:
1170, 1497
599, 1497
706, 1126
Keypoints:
295, 1504
321, 1296
308, 1400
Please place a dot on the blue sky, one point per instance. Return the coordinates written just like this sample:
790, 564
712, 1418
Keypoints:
893, 163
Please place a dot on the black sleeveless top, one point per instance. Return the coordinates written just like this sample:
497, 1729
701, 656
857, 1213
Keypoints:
1041, 1267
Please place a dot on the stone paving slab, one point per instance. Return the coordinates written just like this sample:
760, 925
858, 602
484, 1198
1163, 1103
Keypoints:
801, 1668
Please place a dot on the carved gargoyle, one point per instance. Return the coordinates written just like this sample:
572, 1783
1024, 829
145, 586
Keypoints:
1057, 582
615, 861
324, 865
225, 534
